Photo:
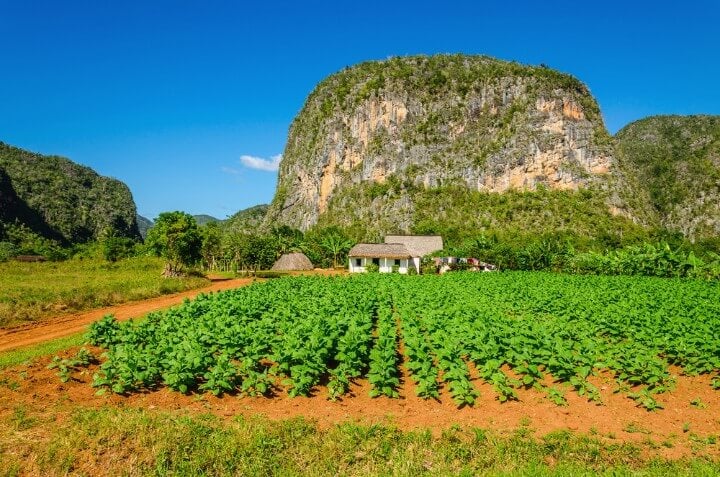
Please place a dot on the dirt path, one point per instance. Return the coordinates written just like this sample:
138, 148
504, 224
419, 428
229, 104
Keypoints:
26, 335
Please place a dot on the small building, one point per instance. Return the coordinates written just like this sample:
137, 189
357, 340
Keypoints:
418, 245
401, 251
292, 262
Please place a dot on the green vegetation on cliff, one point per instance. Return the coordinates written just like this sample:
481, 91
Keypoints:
675, 164
428, 78
246, 220
59, 200
458, 214
466, 121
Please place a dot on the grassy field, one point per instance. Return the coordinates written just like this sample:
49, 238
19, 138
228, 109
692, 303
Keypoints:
24, 355
66, 430
146, 442
33, 291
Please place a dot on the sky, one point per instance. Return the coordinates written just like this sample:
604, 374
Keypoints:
189, 103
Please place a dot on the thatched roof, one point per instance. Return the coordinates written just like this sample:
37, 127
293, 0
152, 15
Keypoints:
417, 245
293, 261
379, 250
30, 258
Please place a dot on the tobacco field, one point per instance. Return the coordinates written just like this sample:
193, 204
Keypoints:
549, 331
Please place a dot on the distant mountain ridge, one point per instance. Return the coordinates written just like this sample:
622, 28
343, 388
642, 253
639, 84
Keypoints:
203, 219
61, 200
145, 224
247, 220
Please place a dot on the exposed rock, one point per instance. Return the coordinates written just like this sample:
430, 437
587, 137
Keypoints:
486, 124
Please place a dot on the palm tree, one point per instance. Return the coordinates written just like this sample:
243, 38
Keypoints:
336, 245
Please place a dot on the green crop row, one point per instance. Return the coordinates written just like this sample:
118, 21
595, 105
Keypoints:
551, 332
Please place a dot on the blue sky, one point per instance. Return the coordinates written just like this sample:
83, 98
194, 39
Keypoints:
168, 96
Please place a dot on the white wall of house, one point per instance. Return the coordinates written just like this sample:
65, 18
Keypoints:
415, 261
358, 264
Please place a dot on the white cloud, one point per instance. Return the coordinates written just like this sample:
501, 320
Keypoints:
230, 170
261, 164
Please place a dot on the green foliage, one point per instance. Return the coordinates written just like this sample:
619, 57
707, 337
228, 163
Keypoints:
116, 248
67, 366
175, 237
543, 327
262, 251
270, 274
659, 260
327, 246
372, 268
170, 444
104, 332
513, 218
211, 248
21, 240
62, 201
383, 374
677, 162
8, 250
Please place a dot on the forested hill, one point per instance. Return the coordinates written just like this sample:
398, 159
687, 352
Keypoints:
674, 162
246, 219
61, 200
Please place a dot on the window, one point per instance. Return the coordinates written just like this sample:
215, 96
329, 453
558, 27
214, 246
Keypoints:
376, 261
397, 262
358, 262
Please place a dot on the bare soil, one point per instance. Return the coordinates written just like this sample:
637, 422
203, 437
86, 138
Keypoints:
676, 431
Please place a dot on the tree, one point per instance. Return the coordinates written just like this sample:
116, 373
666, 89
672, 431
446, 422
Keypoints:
114, 248
262, 251
176, 237
288, 239
211, 244
335, 243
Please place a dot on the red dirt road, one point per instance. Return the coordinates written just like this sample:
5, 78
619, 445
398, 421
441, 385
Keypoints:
26, 335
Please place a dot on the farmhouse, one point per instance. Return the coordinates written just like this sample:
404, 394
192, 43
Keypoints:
401, 251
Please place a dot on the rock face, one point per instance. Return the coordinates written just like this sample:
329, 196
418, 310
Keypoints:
674, 166
61, 200
471, 121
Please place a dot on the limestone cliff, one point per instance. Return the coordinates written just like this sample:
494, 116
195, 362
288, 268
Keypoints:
428, 122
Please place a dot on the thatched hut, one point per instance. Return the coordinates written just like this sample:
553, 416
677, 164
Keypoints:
292, 261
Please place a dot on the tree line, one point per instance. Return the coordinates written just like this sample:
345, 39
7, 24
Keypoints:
185, 245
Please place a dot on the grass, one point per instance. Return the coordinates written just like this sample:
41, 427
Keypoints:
33, 291
142, 442
23, 355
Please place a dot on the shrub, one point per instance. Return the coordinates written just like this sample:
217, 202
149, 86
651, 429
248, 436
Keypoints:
372, 268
